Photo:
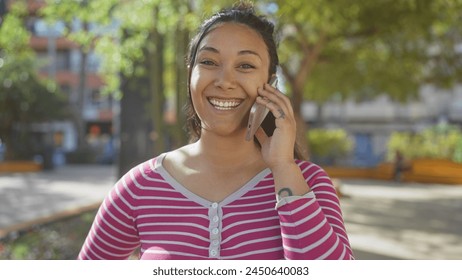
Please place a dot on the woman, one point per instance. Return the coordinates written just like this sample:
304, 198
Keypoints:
222, 197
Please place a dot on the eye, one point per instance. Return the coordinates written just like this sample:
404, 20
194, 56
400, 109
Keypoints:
246, 66
207, 62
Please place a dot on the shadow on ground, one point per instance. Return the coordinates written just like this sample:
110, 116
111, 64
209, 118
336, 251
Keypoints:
396, 221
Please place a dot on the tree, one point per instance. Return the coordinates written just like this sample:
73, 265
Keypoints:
25, 98
139, 60
362, 49
328, 48
375, 45
77, 17
144, 63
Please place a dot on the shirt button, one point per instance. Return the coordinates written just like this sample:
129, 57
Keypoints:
215, 219
214, 205
215, 242
215, 231
213, 253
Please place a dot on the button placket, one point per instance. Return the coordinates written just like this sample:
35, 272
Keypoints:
214, 230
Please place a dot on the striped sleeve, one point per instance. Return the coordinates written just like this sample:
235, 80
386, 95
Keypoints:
312, 226
113, 234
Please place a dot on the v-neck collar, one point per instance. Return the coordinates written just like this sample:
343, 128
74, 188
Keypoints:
158, 166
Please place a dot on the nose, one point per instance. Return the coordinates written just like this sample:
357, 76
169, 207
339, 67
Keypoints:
225, 79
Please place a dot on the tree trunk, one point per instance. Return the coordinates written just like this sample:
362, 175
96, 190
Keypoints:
156, 66
81, 89
302, 126
298, 79
181, 45
135, 123
8, 153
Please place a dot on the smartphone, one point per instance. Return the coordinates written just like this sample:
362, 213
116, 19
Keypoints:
258, 114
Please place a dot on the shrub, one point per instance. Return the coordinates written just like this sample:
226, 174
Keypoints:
328, 145
437, 142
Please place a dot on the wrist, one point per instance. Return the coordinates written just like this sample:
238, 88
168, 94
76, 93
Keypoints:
281, 201
284, 192
289, 180
283, 166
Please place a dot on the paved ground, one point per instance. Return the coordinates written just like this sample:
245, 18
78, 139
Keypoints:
385, 220
30, 198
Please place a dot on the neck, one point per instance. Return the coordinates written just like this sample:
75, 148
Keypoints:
228, 152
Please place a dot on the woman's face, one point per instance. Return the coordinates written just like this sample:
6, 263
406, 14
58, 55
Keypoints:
232, 61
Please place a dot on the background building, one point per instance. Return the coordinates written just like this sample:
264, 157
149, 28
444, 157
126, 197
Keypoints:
62, 61
370, 123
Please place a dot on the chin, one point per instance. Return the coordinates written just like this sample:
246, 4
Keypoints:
226, 132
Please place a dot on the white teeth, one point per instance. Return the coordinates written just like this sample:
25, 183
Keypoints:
224, 105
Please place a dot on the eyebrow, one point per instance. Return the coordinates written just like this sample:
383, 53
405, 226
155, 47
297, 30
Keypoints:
243, 52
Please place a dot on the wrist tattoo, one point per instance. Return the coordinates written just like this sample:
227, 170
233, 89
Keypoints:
285, 190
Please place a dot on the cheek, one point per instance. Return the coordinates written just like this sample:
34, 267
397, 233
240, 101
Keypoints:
197, 86
251, 85
252, 90
194, 79
194, 84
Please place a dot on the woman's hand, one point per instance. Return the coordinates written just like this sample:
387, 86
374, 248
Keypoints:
277, 150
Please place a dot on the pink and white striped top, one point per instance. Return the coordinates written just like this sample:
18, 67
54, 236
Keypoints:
147, 208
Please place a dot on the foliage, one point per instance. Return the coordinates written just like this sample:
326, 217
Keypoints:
367, 47
328, 144
60, 240
438, 142
355, 50
25, 97
14, 37
363, 49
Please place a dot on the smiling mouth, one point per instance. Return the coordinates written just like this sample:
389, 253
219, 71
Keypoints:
224, 104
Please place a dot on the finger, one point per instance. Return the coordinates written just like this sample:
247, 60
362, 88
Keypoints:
278, 93
278, 112
282, 115
261, 135
277, 109
277, 98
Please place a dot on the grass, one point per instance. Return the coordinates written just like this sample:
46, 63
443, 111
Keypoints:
59, 240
